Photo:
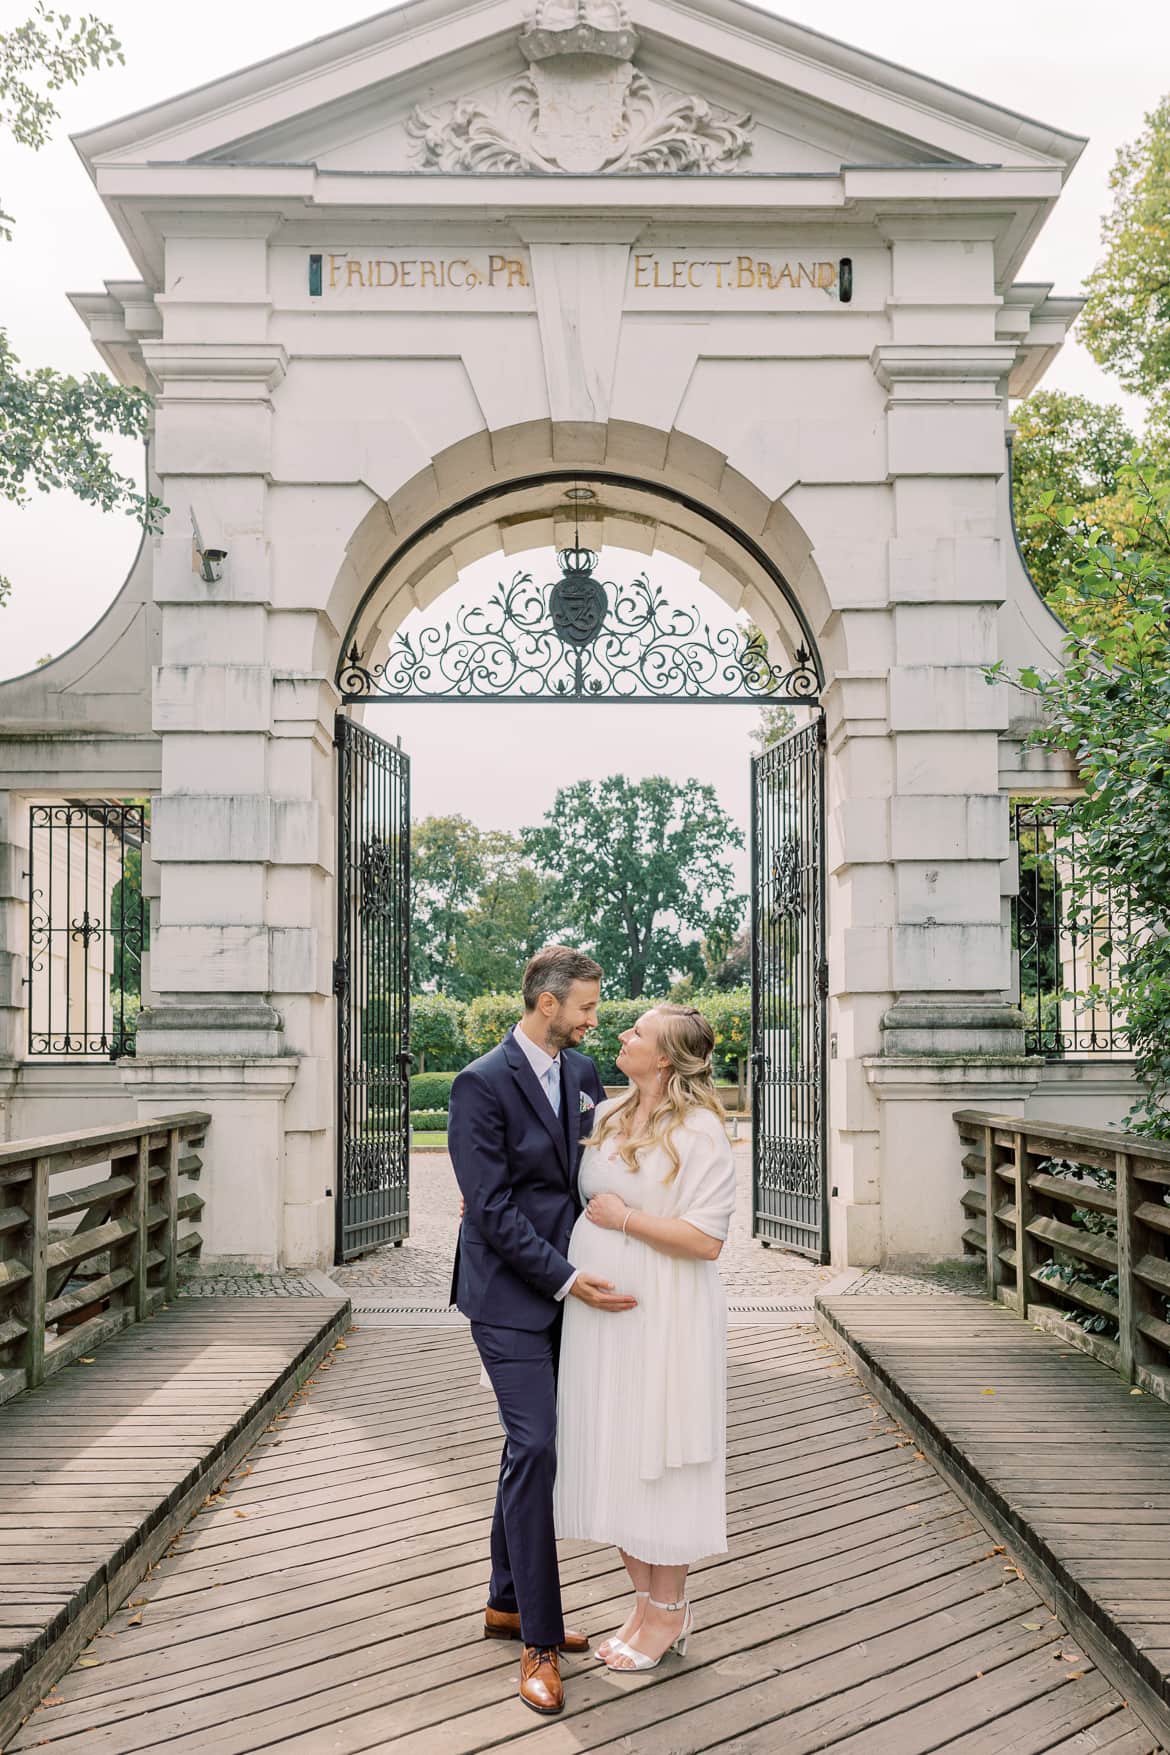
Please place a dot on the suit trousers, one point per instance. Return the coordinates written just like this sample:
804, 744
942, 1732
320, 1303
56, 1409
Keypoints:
522, 1367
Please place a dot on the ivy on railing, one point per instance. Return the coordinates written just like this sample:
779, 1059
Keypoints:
1074, 1226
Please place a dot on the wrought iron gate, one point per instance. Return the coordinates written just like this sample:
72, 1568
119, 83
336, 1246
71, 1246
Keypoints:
789, 987
371, 978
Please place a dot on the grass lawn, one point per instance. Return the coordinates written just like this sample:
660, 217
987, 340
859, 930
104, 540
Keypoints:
429, 1139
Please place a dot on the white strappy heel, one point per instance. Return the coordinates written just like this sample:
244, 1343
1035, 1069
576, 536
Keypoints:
638, 1659
601, 1653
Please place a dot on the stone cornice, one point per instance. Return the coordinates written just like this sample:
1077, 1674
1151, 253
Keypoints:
260, 365
897, 363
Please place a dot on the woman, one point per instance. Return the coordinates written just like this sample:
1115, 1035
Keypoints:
641, 1413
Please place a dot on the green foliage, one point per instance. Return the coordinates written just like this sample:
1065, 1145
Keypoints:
127, 906
730, 966
489, 1018
52, 426
1110, 707
479, 908
775, 723
436, 1031
124, 1009
428, 1120
431, 1090
1072, 450
634, 866
1126, 322
730, 1016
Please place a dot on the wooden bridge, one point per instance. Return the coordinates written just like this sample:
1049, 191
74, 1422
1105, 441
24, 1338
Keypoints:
246, 1525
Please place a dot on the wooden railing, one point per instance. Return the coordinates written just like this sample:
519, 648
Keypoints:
79, 1263
1074, 1225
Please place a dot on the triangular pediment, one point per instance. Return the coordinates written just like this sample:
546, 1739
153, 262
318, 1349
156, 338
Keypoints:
802, 104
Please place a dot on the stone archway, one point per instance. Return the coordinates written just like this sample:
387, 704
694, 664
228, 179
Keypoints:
521, 512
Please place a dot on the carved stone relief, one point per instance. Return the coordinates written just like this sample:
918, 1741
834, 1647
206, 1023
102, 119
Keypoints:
582, 106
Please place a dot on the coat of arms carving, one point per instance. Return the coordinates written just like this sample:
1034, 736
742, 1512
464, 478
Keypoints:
582, 107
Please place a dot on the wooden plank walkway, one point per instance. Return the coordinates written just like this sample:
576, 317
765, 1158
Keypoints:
1069, 1461
330, 1602
104, 1464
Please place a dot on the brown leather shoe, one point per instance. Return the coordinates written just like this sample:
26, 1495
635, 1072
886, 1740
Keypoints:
540, 1679
501, 1624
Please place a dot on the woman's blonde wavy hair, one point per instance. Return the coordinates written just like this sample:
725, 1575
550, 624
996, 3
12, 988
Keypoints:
687, 1040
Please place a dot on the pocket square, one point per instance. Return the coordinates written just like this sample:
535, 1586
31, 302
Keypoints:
587, 1103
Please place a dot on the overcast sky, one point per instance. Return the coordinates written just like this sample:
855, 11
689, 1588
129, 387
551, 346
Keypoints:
1090, 73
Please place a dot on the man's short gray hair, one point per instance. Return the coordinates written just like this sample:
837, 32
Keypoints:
554, 970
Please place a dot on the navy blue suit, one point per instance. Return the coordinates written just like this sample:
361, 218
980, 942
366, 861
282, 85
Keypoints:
516, 1162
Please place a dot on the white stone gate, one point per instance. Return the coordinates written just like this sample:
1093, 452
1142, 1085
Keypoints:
753, 287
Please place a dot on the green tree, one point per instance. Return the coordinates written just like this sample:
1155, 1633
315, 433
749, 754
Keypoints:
1110, 707
508, 921
436, 1033
1126, 322
635, 865
774, 724
1073, 450
52, 426
447, 871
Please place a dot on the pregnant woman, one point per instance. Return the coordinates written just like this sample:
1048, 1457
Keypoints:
642, 1399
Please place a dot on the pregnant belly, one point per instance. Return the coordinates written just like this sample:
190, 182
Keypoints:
607, 1254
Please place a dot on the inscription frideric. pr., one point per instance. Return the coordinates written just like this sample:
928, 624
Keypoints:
582, 107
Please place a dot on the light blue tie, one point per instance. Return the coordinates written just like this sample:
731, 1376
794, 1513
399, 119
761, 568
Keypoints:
552, 1084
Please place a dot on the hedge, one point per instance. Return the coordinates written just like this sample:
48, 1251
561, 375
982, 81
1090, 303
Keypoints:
492, 1015
429, 1120
431, 1090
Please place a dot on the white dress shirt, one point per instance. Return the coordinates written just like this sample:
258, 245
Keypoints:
547, 1068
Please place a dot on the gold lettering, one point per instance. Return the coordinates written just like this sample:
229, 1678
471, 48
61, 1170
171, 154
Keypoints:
691, 270
496, 265
826, 274
406, 271
763, 275
745, 272
659, 285
458, 262
805, 275
719, 267
784, 273
516, 274
641, 267
429, 276
335, 263
677, 271
384, 262
354, 271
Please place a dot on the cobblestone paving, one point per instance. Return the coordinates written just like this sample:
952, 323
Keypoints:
239, 1285
961, 1279
419, 1272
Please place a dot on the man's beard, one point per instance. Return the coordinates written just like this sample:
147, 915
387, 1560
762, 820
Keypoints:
560, 1036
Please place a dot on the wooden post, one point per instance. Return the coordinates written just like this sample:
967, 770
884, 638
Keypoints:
36, 1286
140, 1243
1134, 1298
1025, 1212
994, 1265
171, 1228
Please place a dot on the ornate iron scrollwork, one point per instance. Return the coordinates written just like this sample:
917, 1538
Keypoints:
579, 638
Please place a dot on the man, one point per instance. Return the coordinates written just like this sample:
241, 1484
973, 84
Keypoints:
516, 1120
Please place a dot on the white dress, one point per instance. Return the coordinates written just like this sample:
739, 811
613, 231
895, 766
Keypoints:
642, 1394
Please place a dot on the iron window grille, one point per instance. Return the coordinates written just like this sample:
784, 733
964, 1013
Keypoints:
1069, 937
86, 928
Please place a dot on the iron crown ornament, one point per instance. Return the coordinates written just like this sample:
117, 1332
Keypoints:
579, 639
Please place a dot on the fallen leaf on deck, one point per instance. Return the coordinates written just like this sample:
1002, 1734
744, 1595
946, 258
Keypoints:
1074, 1675
986, 1392
239, 1514
88, 1663
1033, 1626
85, 1361
134, 1621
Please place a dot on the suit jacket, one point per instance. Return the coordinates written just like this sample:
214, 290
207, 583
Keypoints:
517, 1172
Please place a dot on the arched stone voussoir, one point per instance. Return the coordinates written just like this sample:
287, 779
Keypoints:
654, 491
